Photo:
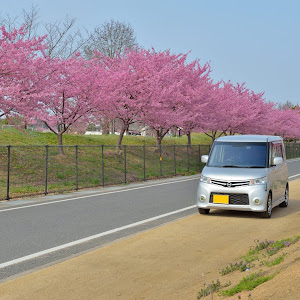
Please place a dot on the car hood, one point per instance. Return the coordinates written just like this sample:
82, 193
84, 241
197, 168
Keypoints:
234, 173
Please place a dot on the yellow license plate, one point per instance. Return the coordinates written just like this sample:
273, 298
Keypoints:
221, 199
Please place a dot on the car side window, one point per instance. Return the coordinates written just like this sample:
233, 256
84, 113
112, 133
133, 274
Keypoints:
283, 151
279, 150
272, 154
275, 151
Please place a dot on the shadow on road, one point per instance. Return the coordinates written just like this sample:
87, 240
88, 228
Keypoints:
278, 212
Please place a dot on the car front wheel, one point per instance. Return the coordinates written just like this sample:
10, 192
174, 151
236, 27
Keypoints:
203, 211
268, 213
285, 203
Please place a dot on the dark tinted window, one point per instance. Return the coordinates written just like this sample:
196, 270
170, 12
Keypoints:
238, 154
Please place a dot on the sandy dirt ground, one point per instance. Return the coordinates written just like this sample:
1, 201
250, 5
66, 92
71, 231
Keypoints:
173, 261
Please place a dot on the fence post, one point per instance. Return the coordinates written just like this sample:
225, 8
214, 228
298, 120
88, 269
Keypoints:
125, 165
76, 165
188, 158
46, 169
144, 156
199, 154
8, 171
160, 161
294, 150
102, 164
175, 171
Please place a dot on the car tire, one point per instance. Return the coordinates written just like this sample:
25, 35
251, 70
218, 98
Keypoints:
268, 213
203, 211
285, 203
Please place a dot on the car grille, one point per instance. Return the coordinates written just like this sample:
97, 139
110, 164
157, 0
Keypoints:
229, 183
237, 199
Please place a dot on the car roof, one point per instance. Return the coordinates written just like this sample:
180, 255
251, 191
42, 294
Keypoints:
249, 138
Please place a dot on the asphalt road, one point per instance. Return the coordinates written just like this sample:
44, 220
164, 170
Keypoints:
45, 230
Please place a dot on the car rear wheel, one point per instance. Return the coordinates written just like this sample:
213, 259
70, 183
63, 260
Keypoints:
285, 203
203, 211
268, 213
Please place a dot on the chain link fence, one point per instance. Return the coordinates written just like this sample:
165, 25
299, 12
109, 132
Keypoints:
34, 170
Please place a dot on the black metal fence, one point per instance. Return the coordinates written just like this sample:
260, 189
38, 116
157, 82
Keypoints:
33, 170
292, 150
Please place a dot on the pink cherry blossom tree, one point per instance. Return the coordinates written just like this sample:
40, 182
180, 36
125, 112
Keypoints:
167, 88
72, 89
198, 91
20, 58
284, 123
127, 77
236, 109
217, 114
249, 111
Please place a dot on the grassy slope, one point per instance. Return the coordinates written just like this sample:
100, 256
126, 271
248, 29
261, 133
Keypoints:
27, 164
28, 137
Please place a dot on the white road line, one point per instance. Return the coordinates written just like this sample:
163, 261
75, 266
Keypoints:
293, 176
87, 239
94, 195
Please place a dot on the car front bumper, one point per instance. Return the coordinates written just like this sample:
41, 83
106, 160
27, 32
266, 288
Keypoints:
255, 192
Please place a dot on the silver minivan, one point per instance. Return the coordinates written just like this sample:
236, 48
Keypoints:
245, 172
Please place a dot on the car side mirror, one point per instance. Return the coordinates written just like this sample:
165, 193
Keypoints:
277, 161
204, 158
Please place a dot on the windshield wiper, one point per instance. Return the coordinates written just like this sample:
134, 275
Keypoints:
255, 167
231, 166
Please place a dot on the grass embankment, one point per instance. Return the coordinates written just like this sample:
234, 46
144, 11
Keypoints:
260, 264
28, 160
29, 137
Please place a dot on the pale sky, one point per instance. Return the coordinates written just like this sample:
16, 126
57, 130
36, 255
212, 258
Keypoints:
251, 41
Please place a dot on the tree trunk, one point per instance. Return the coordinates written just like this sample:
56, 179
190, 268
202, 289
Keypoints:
189, 138
223, 132
105, 126
212, 135
124, 128
160, 134
159, 138
158, 141
113, 127
60, 143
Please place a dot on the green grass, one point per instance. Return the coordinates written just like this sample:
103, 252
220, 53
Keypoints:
212, 288
275, 261
28, 153
241, 266
264, 254
13, 136
248, 283
269, 248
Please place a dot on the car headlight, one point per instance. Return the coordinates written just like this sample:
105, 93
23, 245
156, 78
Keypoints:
258, 181
205, 179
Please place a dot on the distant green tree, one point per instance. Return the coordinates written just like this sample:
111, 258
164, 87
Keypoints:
287, 104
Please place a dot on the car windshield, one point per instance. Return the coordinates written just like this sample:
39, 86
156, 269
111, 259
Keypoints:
238, 155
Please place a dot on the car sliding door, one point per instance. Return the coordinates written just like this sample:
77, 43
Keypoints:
275, 171
283, 169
